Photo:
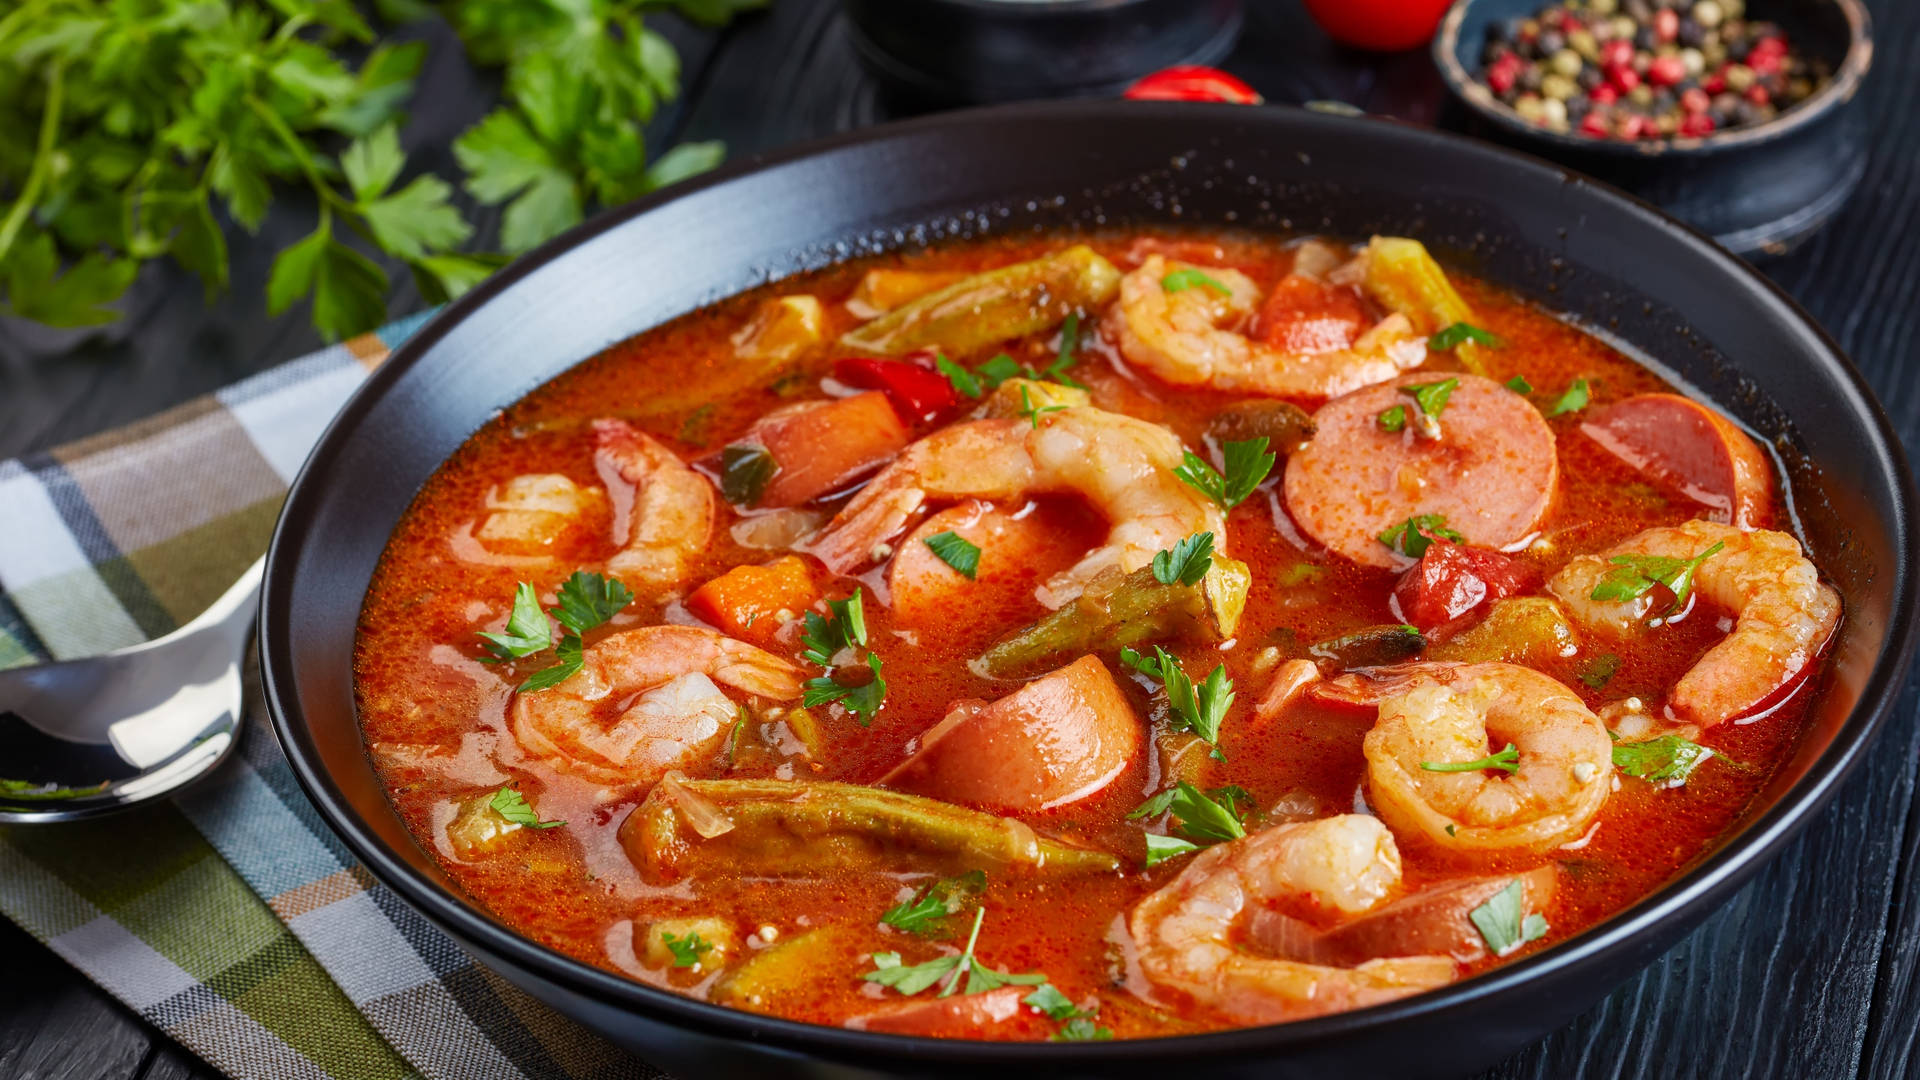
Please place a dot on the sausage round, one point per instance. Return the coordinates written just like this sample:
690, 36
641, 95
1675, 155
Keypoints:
1491, 474
1690, 451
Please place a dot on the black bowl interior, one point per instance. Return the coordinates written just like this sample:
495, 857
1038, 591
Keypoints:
1615, 265
1835, 31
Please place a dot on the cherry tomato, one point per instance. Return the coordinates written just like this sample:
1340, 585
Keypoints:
1380, 25
1191, 82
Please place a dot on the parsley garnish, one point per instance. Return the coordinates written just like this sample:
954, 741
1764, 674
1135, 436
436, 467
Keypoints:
1599, 671
1413, 536
1573, 400
1508, 759
527, 632
1033, 412
745, 471
1186, 562
1001, 368
686, 950
1519, 385
910, 980
843, 627
1459, 333
1247, 463
956, 551
587, 600
1503, 921
1633, 575
1081, 1029
1432, 397
1077, 1023
1182, 280
1198, 709
1207, 817
963, 381
1161, 848
925, 913
1394, 419
1065, 358
1668, 759
513, 806
572, 655
862, 701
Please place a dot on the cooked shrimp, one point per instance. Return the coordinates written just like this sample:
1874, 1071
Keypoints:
645, 701
662, 510
1783, 615
1187, 933
1185, 338
1122, 465
1450, 714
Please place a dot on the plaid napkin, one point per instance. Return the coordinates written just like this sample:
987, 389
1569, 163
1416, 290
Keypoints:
232, 918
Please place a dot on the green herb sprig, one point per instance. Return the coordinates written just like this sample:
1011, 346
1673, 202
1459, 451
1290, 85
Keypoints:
1247, 463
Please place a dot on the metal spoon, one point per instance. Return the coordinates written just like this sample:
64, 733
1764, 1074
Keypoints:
80, 738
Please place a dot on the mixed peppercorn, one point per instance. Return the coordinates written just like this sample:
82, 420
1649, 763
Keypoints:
1646, 69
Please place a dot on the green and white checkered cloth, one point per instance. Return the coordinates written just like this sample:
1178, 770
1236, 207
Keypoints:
232, 918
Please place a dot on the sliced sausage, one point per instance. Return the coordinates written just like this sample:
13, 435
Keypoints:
1690, 451
822, 446
1056, 740
1451, 580
1491, 474
949, 1017
1435, 921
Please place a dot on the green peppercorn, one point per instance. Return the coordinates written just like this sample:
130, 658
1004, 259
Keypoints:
1558, 87
1566, 62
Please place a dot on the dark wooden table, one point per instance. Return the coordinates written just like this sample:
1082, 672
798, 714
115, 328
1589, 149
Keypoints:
1812, 971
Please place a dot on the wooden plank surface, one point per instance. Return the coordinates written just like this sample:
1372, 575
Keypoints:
1811, 971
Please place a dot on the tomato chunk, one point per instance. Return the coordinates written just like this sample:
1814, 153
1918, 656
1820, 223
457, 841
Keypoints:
747, 602
822, 446
1453, 579
1306, 315
918, 392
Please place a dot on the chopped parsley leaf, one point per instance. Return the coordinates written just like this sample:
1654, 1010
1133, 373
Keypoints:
1199, 709
527, 631
843, 627
1051, 1003
1208, 818
572, 654
588, 600
1247, 464
1599, 671
1081, 1029
1574, 399
1186, 562
964, 381
1431, 397
686, 950
1519, 385
1459, 333
1508, 759
956, 551
1161, 848
999, 369
1182, 280
1394, 419
1413, 536
745, 471
1503, 921
910, 980
1033, 412
1668, 760
513, 806
1633, 575
925, 913
862, 701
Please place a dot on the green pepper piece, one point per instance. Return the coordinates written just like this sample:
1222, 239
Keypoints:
813, 827
1139, 609
995, 306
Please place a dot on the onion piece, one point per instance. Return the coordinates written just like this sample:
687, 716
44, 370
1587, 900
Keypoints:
701, 813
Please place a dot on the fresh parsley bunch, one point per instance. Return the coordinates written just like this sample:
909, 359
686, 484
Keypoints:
125, 125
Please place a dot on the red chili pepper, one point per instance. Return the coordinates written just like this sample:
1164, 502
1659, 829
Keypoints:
1191, 82
915, 390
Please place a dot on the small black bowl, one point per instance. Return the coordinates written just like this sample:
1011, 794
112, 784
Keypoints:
954, 52
1756, 190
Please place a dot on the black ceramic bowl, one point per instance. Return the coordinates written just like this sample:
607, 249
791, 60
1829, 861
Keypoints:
1757, 190
1617, 265
946, 52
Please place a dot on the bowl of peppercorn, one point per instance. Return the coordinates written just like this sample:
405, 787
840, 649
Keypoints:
1733, 115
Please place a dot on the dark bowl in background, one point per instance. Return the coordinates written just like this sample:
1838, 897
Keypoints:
964, 52
1756, 190
1616, 265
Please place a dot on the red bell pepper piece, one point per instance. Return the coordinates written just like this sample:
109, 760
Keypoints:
916, 391
1191, 82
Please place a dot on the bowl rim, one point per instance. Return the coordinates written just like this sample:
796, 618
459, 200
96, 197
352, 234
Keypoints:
1846, 81
1691, 891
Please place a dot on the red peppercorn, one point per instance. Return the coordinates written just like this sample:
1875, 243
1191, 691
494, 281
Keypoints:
1666, 70
1774, 44
1624, 79
1593, 123
1633, 126
1696, 125
1604, 94
1763, 63
1695, 100
1503, 73
1758, 94
1616, 53
1714, 83
1666, 24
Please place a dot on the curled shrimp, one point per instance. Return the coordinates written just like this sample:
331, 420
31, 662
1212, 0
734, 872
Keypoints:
1782, 613
662, 510
1185, 337
1189, 933
1448, 714
646, 701
1121, 464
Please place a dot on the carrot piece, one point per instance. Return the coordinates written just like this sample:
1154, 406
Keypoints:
746, 601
